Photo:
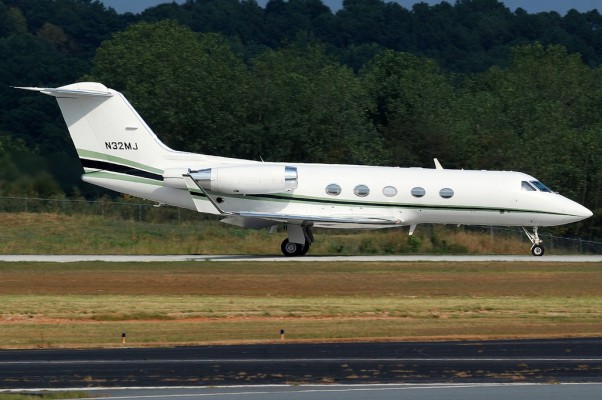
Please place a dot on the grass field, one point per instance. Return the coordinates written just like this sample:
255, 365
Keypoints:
46, 395
51, 233
91, 304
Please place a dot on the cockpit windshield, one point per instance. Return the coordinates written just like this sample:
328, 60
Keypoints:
540, 186
527, 187
534, 186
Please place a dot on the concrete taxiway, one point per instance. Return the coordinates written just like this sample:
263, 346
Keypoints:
260, 258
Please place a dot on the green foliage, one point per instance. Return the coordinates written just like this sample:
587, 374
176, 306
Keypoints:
45, 395
22, 173
473, 83
307, 107
412, 100
540, 116
188, 86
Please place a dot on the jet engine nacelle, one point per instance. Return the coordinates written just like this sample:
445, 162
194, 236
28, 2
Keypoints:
247, 179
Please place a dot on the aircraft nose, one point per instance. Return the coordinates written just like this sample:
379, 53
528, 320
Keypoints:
579, 211
586, 213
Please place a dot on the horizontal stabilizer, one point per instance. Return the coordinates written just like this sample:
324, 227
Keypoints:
84, 89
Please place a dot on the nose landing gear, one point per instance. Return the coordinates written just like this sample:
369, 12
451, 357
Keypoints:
537, 248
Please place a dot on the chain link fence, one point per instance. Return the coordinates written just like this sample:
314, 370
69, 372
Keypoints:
145, 211
123, 208
550, 241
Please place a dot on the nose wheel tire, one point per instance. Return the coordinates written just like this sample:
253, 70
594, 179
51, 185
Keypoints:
290, 249
537, 250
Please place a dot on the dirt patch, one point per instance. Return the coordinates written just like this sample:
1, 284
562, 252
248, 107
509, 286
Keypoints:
90, 304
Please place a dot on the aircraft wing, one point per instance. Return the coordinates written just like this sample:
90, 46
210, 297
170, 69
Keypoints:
258, 220
262, 220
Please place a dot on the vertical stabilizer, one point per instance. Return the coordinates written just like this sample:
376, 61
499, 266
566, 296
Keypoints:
107, 132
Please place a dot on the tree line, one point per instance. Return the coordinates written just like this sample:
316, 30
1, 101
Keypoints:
471, 83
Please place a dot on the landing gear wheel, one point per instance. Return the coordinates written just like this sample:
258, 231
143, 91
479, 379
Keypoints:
305, 249
290, 249
537, 250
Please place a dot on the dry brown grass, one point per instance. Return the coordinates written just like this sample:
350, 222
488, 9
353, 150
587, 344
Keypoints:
90, 304
32, 233
305, 279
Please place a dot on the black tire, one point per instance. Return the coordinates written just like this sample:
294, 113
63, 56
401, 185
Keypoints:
305, 249
290, 249
537, 250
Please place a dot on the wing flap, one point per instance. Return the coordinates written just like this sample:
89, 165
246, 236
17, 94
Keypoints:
300, 219
257, 219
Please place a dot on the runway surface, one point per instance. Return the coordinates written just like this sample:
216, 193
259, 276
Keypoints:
489, 391
532, 361
247, 258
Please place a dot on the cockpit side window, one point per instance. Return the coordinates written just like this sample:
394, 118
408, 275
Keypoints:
527, 187
541, 186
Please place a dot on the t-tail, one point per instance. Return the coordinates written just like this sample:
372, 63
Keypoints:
120, 152
108, 134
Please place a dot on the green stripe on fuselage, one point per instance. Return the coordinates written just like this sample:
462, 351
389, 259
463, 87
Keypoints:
123, 177
288, 198
119, 160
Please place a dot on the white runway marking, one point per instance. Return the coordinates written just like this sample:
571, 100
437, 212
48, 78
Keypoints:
388, 391
246, 258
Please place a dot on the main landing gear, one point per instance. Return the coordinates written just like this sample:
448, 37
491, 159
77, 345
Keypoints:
291, 249
298, 242
537, 248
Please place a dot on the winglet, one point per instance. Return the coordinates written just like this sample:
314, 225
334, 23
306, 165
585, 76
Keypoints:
437, 164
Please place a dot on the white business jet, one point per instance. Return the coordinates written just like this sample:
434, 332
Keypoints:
120, 152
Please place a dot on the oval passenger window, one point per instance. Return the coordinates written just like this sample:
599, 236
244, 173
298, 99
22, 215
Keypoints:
418, 192
389, 191
361, 190
333, 189
446, 193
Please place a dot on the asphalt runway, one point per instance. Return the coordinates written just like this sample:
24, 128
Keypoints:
489, 391
525, 361
250, 258
544, 369
383, 392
